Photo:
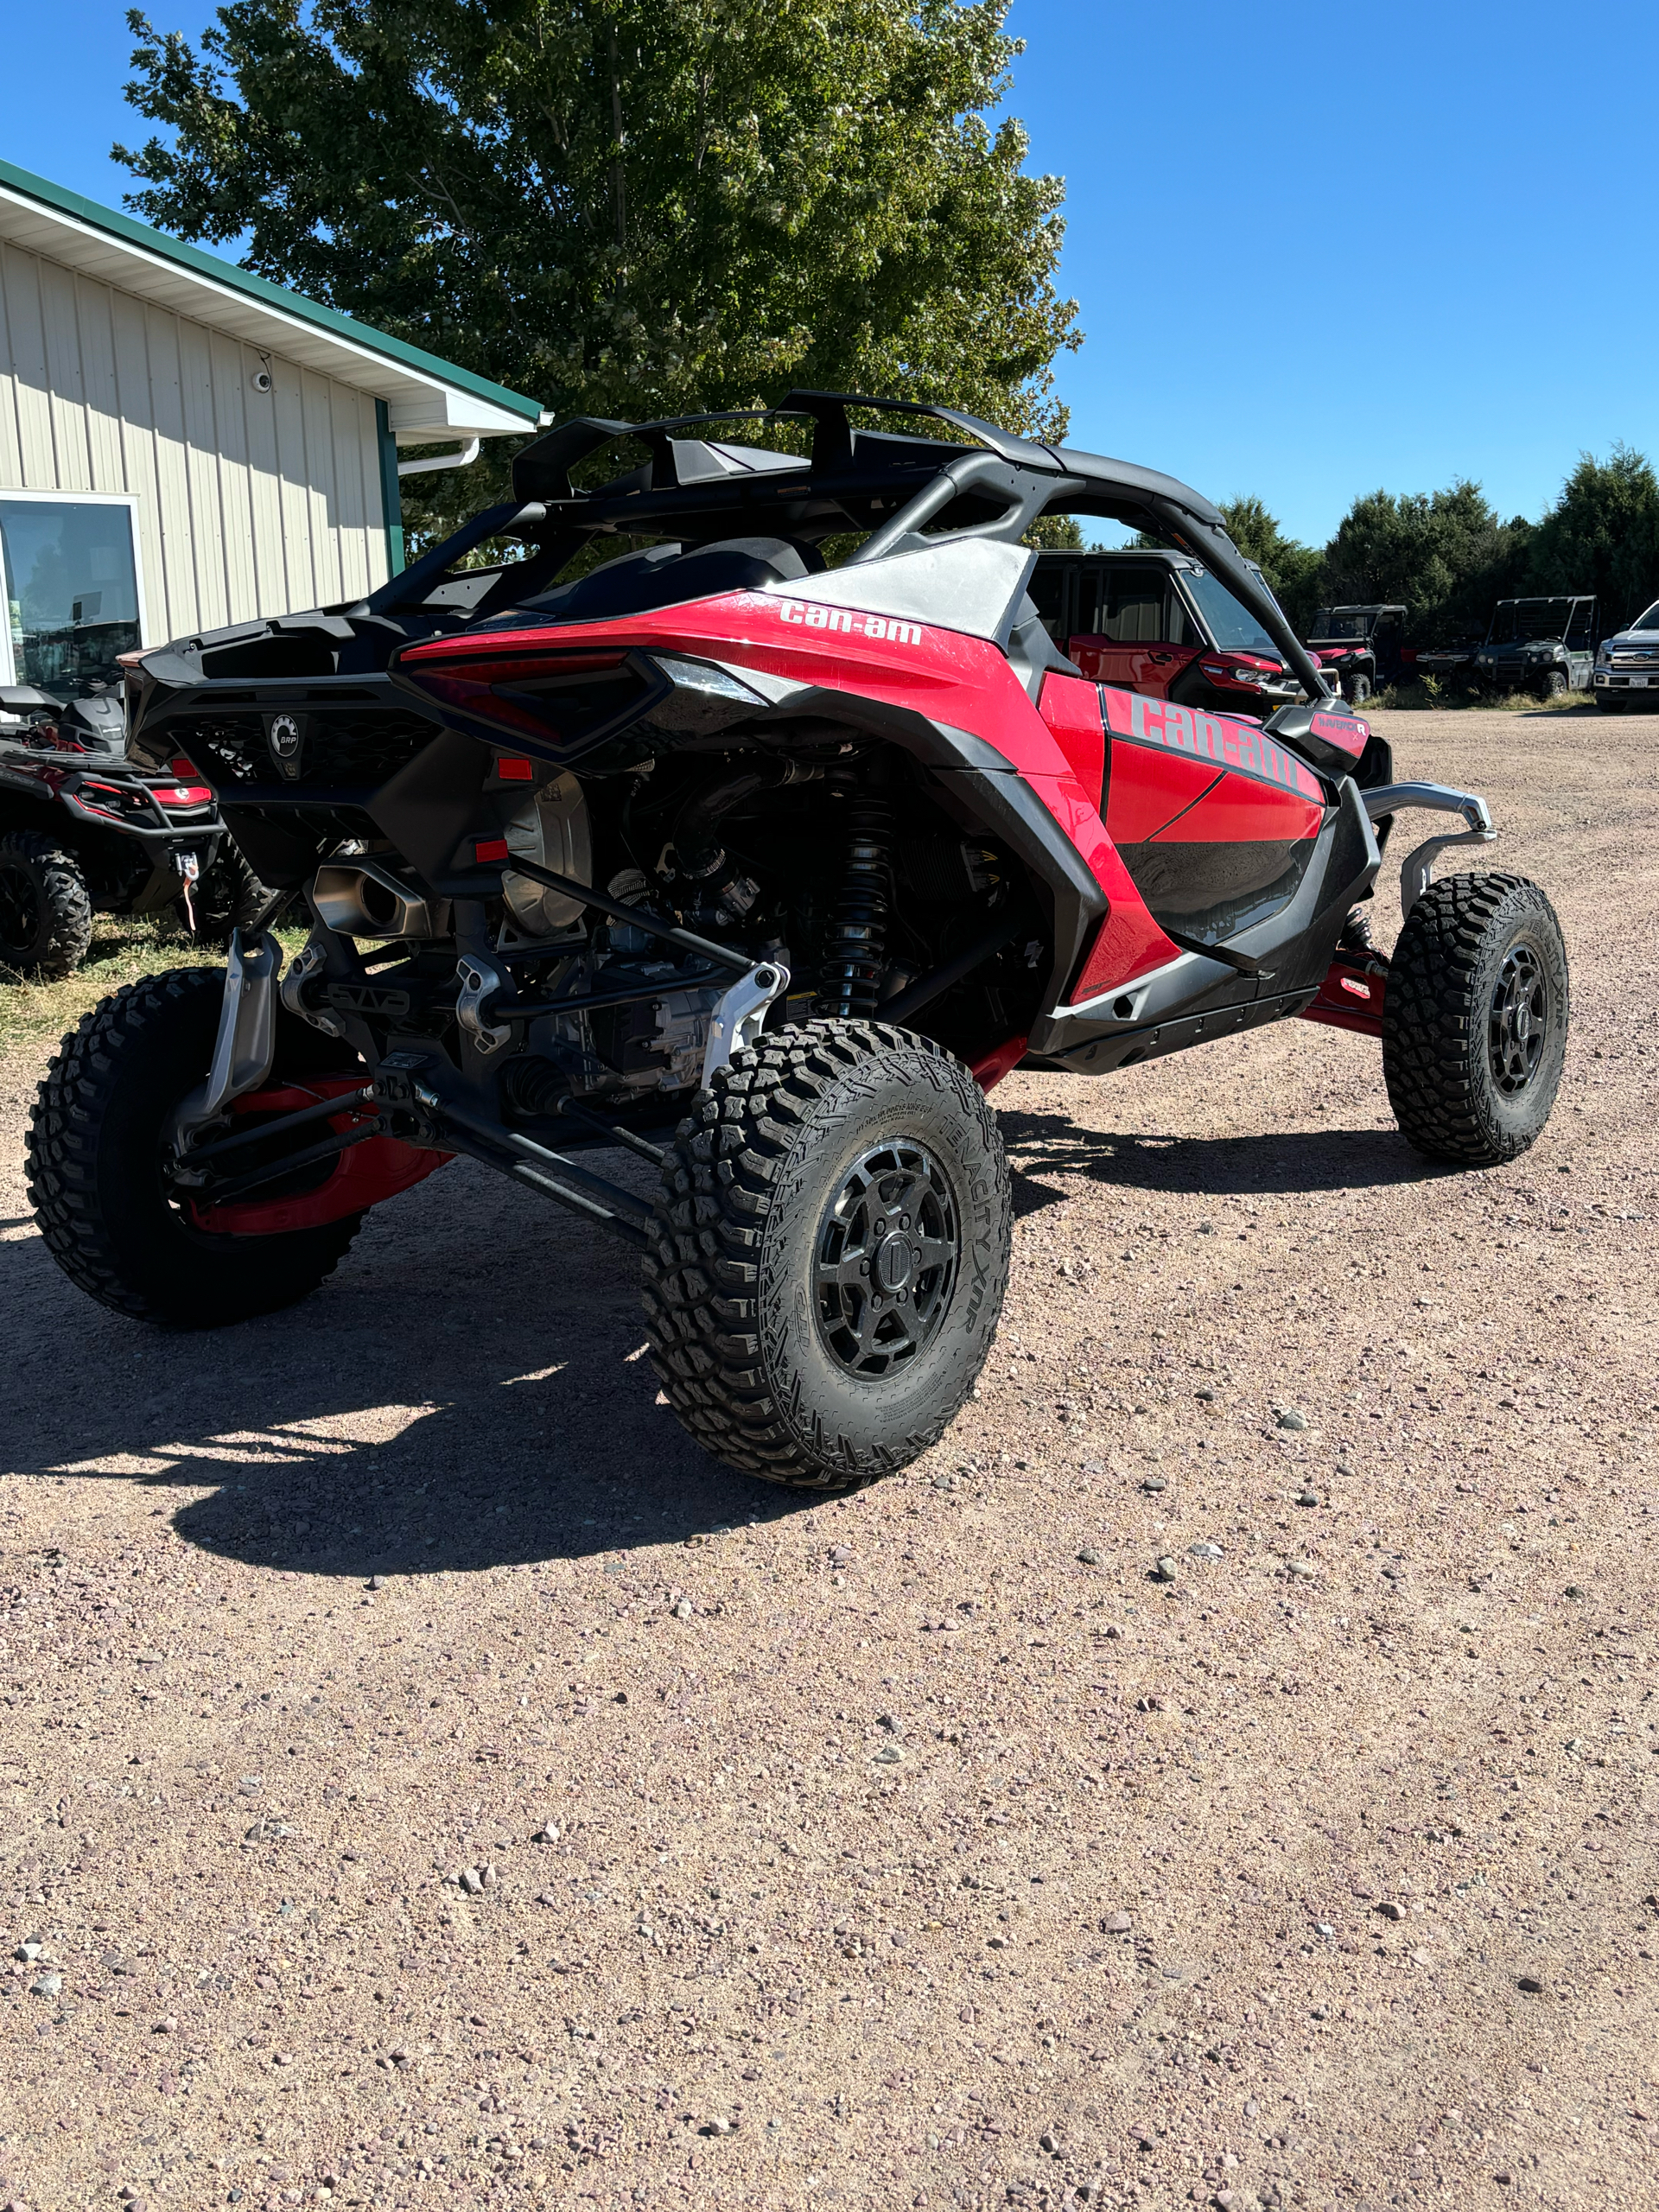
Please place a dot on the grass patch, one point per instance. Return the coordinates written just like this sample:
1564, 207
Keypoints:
1431, 691
122, 952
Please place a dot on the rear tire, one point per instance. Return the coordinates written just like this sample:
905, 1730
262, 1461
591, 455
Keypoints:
833, 1249
95, 1155
46, 915
1475, 1019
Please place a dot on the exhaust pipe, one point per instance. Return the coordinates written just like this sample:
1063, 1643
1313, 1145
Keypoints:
361, 898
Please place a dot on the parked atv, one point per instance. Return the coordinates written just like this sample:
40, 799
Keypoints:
82, 831
766, 872
1363, 647
1543, 646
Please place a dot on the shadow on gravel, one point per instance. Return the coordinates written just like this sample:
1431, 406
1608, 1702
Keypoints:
470, 1390
1310, 1160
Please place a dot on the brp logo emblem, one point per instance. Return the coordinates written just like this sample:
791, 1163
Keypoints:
286, 740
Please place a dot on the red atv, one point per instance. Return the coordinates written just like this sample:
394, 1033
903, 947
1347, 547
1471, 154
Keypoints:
765, 873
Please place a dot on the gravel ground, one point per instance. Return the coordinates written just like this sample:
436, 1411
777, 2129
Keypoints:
918, 1848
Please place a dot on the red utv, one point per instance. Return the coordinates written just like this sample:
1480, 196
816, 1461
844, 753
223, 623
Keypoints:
1164, 624
1362, 647
765, 873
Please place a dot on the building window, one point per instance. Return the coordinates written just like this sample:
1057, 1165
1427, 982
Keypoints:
71, 590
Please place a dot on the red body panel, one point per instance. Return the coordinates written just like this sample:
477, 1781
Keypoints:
1149, 789
1241, 811
1215, 740
378, 1168
1150, 668
1071, 706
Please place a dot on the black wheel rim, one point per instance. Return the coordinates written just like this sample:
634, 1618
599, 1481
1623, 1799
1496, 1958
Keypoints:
20, 913
1519, 1019
888, 1249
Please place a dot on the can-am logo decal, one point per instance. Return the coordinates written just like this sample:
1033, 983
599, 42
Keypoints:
1215, 738
849, 622
285, 737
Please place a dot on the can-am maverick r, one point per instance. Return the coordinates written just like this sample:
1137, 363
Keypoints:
766, 872
83, 831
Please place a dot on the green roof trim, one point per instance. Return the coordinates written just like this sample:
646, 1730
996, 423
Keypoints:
235, 279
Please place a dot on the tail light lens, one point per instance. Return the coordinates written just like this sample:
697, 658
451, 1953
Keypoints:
550, 701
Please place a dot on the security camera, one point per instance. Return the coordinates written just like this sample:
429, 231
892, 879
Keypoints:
262, 379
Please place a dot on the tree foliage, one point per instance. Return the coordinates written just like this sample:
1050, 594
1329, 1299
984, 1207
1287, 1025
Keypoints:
630, 207
1293, 569
1444, 555
1602, 534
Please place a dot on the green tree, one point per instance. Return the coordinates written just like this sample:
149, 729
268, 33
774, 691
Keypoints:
1602, 534
1444, 555
1293, 569
630, 207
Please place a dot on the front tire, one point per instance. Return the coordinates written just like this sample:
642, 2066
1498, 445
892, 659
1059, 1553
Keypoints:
1474, 1021
1359, 690
1611, 703
834, 1241
95, 1156
1553, 685
46, 914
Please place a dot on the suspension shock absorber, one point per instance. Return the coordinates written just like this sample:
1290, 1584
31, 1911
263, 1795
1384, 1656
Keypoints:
855, 943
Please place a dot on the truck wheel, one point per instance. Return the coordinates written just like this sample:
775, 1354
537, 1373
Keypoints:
833, 1248
1611, 703
95, 1155
1553, 685
46, 916
1474, 1022
1359, 689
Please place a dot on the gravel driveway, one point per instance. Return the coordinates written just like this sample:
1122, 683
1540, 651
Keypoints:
647, 1838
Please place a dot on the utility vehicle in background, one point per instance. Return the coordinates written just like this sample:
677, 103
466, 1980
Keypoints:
83, 831
766, 872
1362, 647
1543, 646
1164, 624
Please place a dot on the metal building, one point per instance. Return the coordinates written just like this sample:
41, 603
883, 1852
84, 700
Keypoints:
184, 445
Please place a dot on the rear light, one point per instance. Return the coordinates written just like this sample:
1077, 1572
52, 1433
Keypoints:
551, 701
513, 770
186, 770
489, 849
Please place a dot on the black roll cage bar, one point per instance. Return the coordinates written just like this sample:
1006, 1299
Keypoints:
890, 484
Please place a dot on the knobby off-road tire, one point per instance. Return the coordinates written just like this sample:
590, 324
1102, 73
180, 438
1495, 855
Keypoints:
1359, 690
1554, 685
1474, 1021
46, 916
95, 1153
819, 1145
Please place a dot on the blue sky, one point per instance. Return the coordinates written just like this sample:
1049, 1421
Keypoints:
1316, 250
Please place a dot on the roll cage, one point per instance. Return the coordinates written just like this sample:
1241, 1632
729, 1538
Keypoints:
904, 491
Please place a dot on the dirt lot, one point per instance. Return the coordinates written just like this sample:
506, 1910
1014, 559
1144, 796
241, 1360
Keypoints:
936, 1854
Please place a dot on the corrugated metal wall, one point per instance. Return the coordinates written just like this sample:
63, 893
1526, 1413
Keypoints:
249, 503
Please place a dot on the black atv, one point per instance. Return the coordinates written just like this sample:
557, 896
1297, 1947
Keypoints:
84, 831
